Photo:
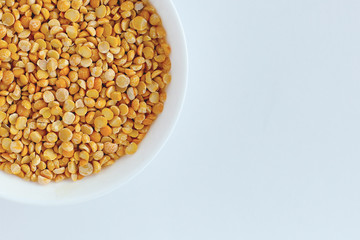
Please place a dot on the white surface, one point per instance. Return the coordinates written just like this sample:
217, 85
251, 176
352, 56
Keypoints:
121, 171
268, 143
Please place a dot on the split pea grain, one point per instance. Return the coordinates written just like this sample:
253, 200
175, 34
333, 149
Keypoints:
81, 82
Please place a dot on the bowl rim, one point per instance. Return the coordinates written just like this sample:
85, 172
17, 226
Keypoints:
181, 99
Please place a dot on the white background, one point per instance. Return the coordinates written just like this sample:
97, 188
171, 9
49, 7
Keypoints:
267, 146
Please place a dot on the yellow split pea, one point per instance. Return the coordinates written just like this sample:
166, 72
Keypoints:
81, 82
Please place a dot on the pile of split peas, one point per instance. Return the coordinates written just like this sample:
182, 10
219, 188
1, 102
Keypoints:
81, 82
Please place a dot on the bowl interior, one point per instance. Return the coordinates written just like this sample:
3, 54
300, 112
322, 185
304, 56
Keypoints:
110, 178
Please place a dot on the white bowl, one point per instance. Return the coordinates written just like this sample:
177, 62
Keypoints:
110, 178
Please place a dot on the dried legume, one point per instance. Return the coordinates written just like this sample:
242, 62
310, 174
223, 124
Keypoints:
80, 81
